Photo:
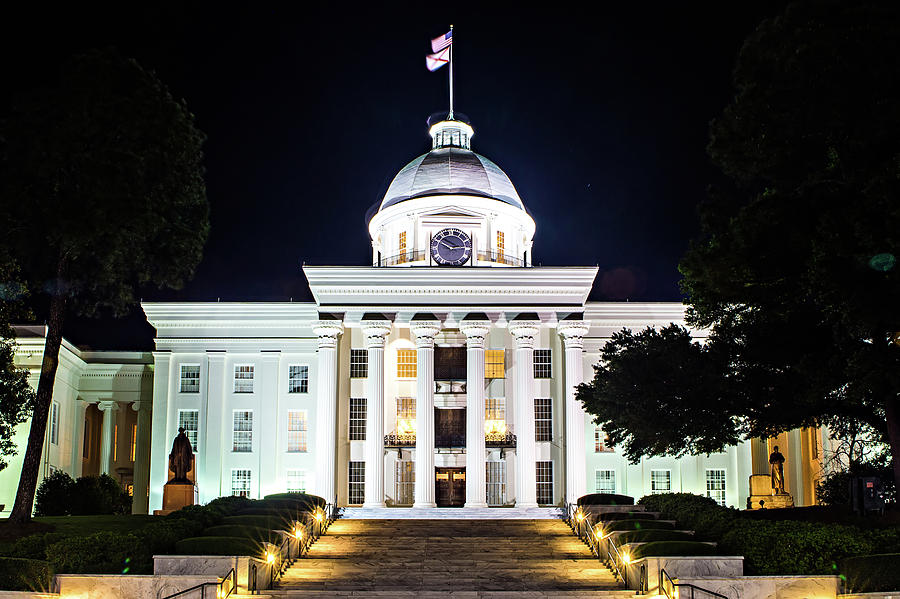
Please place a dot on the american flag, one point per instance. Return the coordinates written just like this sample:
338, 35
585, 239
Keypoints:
442, 41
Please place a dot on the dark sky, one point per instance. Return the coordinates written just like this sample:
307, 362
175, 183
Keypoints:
600, 119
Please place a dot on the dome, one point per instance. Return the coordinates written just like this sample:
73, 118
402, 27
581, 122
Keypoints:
451, 168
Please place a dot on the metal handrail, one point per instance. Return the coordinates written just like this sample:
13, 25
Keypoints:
664, 577
584, 530
402, 258
500, 258
220, 587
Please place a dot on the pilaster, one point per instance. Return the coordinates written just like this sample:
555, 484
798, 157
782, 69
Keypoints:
424, 331
159, 469
269, 395
141, 479
328, 332
573, 332
524, 332
375, 332
475, 332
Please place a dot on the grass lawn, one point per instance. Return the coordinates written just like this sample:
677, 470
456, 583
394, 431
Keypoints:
70, 525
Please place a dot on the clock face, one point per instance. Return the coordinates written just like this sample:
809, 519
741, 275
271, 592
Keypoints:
451, 247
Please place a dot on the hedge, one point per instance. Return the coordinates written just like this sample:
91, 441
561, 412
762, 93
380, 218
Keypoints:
269, 522
615, 525
607, 516
238, 530
605, 499
18, 574
871, 573
100, 553
693, 512
647, 536
218, 546
666, 548
302, 498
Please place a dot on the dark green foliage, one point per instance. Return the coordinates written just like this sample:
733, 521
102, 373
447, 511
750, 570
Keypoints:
704, 516
161, 537
269, 522
254, 533
54, 495
665, 548
637, 525
605, 499
16, 396
100, 553
625, 516
202, 514
219, 546
229, 504
871, 573
35, 546
647, 536
18, 574
301, 498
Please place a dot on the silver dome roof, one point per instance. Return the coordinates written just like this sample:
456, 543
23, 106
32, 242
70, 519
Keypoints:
450, 170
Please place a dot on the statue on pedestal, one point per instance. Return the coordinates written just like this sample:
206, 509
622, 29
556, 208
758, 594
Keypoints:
181, 459
776, 462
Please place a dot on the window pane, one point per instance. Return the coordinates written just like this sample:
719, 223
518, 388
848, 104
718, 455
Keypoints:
189, 420
190, 378
406, 482
359, 363
449, 363
715, 485
606, 481
243, 431
298, 379
543, 420
54, 423
660, 481
544, 472
357, 419
357, 482
496, 482
243, 379
296, 481
240, 483
406, 363
542, 364
494, 364
297, 431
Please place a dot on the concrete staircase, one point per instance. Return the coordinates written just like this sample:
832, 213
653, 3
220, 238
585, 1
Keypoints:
425, 559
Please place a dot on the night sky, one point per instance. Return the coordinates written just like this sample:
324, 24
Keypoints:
599, 119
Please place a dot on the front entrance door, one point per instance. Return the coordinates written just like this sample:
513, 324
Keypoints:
450, 487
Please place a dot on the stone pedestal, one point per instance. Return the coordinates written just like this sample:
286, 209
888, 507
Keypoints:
175, 497
761, 491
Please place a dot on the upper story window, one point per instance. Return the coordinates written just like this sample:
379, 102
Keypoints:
54, 423
501, 242
406, 363
543, 419
189, 420
297, 429
359, 363
601, 441
542, 364
401, 246
190, 378
660, 481
494, 364
243, 379
298, 379
242, 434
357, 418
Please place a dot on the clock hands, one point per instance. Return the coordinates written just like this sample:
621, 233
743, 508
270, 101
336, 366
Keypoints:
452, 247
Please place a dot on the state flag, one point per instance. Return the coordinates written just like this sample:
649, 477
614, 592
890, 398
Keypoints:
438, 59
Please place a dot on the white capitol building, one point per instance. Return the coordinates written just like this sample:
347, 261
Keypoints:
443, 374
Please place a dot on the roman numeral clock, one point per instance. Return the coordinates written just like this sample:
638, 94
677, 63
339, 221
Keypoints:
451, 247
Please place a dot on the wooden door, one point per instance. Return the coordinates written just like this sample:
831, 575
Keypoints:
450, 487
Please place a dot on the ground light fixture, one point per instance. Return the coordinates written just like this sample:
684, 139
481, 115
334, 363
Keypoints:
270, 557
579, 515
298, 532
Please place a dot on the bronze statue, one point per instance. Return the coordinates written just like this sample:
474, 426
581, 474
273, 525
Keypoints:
181, 458
776, 461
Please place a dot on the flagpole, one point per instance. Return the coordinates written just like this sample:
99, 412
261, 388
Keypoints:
450, 116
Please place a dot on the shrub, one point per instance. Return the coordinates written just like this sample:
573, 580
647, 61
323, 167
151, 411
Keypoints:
54, 495
218, 546
664, 548
647, 536
302, 498
205, 515
98, 495
229, 504
615, 525
606, 516
35, 546
238, 530
17, 574
161, 537
270, 522
871, 573
605, 499
693, 512
100, 553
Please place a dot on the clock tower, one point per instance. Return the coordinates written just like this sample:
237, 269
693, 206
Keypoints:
451, 207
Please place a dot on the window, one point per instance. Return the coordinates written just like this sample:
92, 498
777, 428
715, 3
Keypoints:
542, 364
401, 246
51, 470
359, 363
543, 419
240, 483
601, 441
357, 483
406, 363
494, 364
450, 363
190, 378
54, 423
496, 482
715, 485
406, 482
501, 242
296, 481
406, 417
606, 481
296, 436
115, 443
298, 379
660, 481
243, 431
544, 472
495, 408
357, 418
243, 379
189, 420
134, 442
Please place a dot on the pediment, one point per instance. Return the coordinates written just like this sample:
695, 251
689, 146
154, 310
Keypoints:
452, 211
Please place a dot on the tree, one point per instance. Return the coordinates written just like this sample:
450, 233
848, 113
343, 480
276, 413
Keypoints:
103, 191
794, 273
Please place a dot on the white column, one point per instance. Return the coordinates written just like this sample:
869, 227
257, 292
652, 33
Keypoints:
141, 477
424, 331
475, 332
80, 405
524, 332
573, 332
215, 442
328, 332
375, 332
107, 438
159, 455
